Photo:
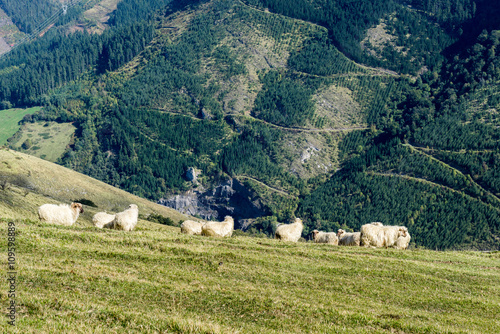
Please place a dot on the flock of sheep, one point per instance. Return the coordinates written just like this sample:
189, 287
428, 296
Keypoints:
370, 235
67, 215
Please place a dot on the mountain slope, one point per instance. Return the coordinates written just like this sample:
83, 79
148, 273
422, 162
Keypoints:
28, 182
272, 97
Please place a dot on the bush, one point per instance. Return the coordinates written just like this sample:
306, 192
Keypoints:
156, 218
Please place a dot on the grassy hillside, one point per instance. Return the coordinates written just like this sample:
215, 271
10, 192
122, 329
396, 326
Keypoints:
9, 120
27, 182
46, 140
79, 279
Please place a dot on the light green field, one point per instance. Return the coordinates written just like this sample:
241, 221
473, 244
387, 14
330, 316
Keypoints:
48, 139
80, 279
9, 121
155, 280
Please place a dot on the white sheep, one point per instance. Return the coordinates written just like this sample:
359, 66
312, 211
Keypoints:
325, 237
219, 229
381, 236
290, 232
103, 219
62, 214
402, 242
125, 220
191, 227
348, 238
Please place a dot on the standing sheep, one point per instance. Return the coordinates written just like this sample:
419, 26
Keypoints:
290, 232
125, 220
381, 236
219, 229
191, 227
347, 238
325, 237
62, 214
102, 219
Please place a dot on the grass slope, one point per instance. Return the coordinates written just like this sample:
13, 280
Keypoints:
9, 121
49, 140
155, 280
32, 181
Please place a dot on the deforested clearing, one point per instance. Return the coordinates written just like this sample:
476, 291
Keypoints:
156, 280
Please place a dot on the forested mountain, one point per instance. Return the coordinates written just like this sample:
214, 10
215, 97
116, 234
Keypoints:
27, 15
339, 112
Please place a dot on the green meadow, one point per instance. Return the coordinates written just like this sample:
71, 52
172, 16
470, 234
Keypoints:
9, 121
46, 140
81, 279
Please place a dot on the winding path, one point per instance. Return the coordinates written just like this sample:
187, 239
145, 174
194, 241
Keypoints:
265, 185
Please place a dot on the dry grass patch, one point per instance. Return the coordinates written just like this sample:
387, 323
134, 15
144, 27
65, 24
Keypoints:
337, 105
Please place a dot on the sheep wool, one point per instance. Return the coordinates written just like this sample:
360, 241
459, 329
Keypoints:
126, 220
325, 237
102, 219
62, 214
191, 227
290, 232
219, 229
381, 236
348, 238
403, 242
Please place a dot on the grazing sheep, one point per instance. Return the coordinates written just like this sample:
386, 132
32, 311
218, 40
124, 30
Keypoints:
290, 232
219, 229
325, 237
402, 242
347, 238
191, 227
102, 219
125, 220
62, 214
381, 236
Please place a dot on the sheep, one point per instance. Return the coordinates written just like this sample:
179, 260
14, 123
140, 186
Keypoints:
191, 227
219, 229
348, 238
382, 236
102, 219
62, 214
325, 237
402, 242
125, 220
289, 232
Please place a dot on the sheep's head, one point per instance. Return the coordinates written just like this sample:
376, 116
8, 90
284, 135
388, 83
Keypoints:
297, 221
228, 219
77, 207
403, 231
340, 232
314, 234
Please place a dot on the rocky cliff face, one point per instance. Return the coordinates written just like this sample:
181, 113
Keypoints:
228, 198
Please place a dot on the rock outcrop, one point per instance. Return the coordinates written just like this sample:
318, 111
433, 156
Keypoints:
230, 198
